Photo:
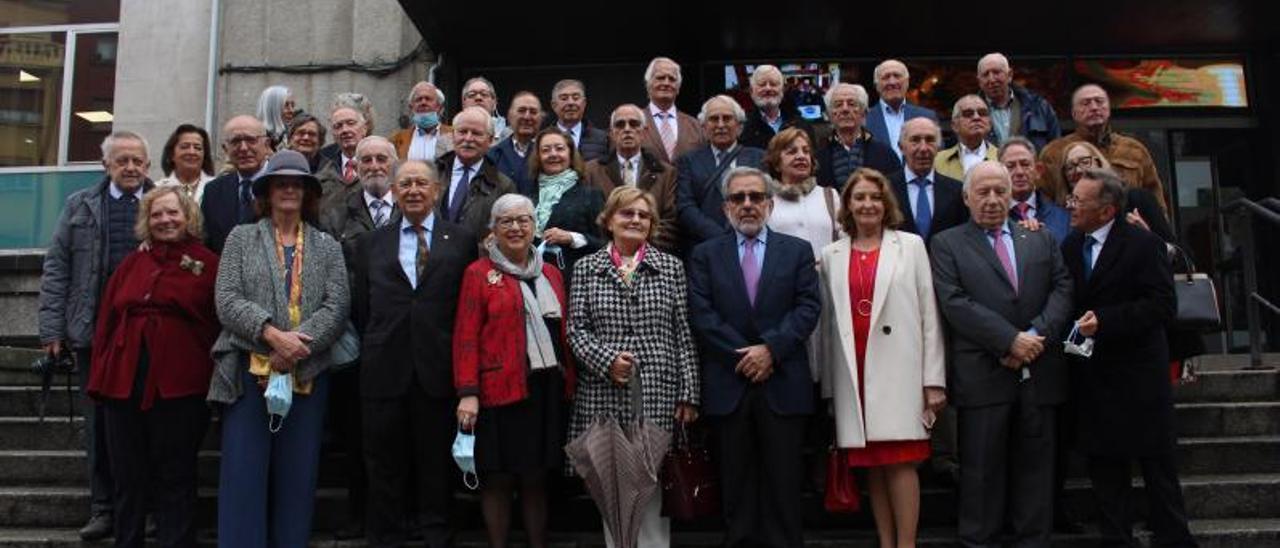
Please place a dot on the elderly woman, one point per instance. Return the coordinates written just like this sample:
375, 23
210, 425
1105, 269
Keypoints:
276, 109
566, 208
187, 161
629, 320
1144, 209
151, 369
282, 298
883, 352
306, 136
511, 318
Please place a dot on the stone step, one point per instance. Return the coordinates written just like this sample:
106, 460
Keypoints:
1228, 418
1231, 385
1209, 534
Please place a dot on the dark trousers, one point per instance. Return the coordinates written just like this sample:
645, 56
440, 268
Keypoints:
1006, 473
1167, 515
345, 424
95, 442
153, 454
409, 438
761, 471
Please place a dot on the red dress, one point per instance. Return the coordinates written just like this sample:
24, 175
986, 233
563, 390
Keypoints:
862, 285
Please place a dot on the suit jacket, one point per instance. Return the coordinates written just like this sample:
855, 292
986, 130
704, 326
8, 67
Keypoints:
1123, 395
1055, 219
514, 166
699, 204
757, 132
576, 211
404, 137
785, 313
985, 313
655, 177
875, 154
875, 121
592, 144
950, 163
486, 185
407, 332
948, 204
904, 350
355, 222
688, 136
221, 210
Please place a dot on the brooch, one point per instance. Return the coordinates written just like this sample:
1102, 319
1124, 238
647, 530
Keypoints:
494, 277
196, 267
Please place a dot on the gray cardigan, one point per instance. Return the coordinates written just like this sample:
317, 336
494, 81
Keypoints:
250, 292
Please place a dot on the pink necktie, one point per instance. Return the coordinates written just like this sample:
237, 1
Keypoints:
1003, 254
668, 134
1022, 208
750, 269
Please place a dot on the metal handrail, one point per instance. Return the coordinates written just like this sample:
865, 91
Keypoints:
1267, 210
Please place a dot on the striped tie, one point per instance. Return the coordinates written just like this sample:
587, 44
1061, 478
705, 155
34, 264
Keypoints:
668, 132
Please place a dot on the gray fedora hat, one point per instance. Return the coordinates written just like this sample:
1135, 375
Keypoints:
286, 162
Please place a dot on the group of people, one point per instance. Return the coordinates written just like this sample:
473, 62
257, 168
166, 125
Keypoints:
515, 277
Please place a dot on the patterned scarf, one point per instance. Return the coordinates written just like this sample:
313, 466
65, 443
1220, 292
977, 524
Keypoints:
627, 265
550, 189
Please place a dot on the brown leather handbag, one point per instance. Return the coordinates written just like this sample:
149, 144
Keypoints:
690, 481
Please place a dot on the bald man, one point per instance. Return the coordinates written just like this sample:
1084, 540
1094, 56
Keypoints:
228, 199
886, 117
1015, 110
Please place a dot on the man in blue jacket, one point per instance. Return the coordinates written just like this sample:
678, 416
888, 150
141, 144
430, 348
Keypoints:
1014, 109
1019, 156
886, 117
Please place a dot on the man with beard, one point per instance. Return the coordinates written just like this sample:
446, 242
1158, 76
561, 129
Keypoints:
479, 92
850, 145
228, 199
971, 120
1015, 110
470, 182
886, 118
629, 164
671, 133
769, 117
569, 102
699, 204
429, 138
374, 206
511, 155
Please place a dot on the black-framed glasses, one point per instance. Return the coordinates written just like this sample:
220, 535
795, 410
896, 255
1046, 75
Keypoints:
756, 197
512, 222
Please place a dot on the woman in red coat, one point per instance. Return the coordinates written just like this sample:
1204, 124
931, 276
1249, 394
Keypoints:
151, 369
513, 370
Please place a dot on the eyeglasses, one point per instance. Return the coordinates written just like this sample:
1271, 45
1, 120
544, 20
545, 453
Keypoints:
629, 213
512, 222
739, 198
624, 124
1073, 201
239, 140
971, 112
1082, 163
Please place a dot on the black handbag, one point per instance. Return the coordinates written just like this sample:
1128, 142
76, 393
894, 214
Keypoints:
1197, 298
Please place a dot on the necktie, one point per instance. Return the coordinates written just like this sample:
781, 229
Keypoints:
1020, 209
719, 155
459, 194
246, 200
1006, 261
750, 269
1088, 255
924, 213
629, 173
421, 264
349, 171
668, 133
379, 212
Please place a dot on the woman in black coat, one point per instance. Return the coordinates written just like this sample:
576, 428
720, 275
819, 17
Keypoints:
566, 207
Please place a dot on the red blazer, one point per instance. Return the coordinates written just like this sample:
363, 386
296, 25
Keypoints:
152, 300
489, 353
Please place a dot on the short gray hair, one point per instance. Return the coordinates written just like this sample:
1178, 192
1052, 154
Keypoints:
109, 144
994, 56
744, 171
492, 90
762, 70
508, 202
648, 71
937, 129
432, 173
1004, 174
738, 113
875, 75
859, 94
643, 120
1016, 141
357, 102
955, 107
488, 120
1113, 187
376, 141
556, 89
414, 90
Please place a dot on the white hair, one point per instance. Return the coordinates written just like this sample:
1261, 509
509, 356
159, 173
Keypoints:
613, 115
508, 202
439, 94
109, 144
1001, 170
997, 57
955, 108
477, 111
377, 141
937, 129
883, 64
763, 70
738, 113
648, 72
859, 94
271, 110
744, 171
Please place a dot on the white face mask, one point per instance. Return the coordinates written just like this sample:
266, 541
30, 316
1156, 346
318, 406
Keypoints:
279, 398
464, 453
1078, 344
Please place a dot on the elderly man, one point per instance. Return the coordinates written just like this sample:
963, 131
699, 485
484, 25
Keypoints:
671, 133
699, 204
428, 138
1124, 298
886, 118
930, 201
569, 103
228, 199
1006, 295
1091, 110
471, 183
971, 120
511, 155
407, 277
769, 117
1018, 155
1015, 110
479, 92
93, 235
629, 164
757, 389
850, 145
341, 178
374, 205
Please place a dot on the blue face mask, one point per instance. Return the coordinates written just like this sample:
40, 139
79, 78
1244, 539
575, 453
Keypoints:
464, 453
426, 121
279, 396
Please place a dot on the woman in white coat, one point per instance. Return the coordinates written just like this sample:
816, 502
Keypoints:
882, 353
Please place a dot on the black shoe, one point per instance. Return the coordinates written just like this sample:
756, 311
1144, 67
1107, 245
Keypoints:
98, 528
352, 530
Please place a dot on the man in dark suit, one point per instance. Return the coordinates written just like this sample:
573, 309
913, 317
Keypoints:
1018, 155
471, 183
770, 116
1124, 297
1006, 295
753, 302
511, 155
671, 133
228, 199
886, 118
930, 202
699, 204
407, 280
569, 102
629, 164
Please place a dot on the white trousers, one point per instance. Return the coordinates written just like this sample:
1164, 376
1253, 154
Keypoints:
655, 530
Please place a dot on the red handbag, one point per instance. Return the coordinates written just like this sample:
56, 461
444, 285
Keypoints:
690, 481
842, 488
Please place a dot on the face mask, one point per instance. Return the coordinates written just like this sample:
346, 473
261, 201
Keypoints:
1077, 344
426, 121
464, 453
279, 396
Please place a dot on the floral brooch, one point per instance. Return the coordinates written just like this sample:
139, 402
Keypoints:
494, 277
192, 265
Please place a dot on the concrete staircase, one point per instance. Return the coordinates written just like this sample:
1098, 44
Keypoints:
1228, 451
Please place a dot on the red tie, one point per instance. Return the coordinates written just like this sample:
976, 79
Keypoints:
349, 171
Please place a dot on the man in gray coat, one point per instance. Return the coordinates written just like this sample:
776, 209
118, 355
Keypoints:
94, 233
1006, 295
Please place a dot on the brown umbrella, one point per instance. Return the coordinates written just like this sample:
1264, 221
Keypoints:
619, 465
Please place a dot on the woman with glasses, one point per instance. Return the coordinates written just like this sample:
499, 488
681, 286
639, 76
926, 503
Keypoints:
513, 370
565, 207
306, 136
1143, 208
630, 321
